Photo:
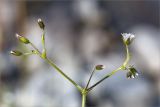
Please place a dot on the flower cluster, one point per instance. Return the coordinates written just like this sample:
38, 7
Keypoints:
24, 40
127, 40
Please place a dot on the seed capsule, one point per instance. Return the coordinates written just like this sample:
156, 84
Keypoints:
16, 53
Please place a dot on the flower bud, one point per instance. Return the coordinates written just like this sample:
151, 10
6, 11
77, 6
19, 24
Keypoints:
100, 67
16, 53
127, 38
132, 72
41, 24
22, 39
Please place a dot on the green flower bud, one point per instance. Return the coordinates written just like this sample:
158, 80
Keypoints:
100, 67
16, 53
22, 39
127, 38
132, 72
41, 24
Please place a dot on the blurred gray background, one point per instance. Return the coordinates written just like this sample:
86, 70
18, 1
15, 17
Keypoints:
80, 34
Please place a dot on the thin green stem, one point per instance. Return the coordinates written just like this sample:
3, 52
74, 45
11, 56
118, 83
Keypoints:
35, 48
105, 77
90, 78
63, 74
127, 56
26, 54
43, 41
84, 95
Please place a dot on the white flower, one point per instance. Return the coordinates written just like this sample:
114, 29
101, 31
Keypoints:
127, 38
132, 72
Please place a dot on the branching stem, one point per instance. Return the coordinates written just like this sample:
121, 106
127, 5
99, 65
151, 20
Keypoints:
122, 67
57, 68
